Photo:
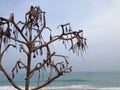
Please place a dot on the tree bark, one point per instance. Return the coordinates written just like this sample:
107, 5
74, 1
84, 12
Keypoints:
28, 72
29, 59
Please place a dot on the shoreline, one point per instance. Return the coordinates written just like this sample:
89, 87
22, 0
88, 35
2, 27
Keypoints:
68, 88
72, 89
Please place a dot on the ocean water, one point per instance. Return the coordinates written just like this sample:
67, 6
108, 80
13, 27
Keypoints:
101, 80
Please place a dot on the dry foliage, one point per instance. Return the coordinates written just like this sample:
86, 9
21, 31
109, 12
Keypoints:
29, 36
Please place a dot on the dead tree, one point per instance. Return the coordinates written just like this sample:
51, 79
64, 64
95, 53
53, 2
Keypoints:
29, 37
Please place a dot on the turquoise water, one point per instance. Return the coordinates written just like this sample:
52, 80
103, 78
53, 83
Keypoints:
74, 79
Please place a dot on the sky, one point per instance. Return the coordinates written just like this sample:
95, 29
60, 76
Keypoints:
99, 19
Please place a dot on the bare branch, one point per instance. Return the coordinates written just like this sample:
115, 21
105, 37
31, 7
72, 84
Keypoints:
7, 48
19, 65
20, 41
22, 48
9, 78
42, 65
20, 31
40, 31
47, 82
65, 58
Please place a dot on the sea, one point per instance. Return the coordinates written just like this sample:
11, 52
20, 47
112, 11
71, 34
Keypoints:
78, 80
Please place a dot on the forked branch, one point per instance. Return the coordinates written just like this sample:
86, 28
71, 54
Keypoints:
19, 65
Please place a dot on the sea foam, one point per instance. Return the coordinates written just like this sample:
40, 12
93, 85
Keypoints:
66, 87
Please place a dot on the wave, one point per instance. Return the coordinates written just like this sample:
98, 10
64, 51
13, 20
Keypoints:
72, 80
70, 87
66, 87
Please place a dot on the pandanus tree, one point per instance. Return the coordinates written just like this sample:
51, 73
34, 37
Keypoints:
29, 37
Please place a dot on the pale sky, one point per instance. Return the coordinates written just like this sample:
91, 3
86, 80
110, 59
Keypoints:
99, 19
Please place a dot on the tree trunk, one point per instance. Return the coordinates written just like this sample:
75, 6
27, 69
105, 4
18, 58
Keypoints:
29, 59
28, 72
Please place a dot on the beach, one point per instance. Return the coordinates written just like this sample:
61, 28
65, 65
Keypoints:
72, 89
86, 89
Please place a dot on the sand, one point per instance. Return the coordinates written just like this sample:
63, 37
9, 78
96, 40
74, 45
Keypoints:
84, 89
73, 89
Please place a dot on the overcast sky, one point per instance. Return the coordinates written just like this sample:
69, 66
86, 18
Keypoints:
100, 20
